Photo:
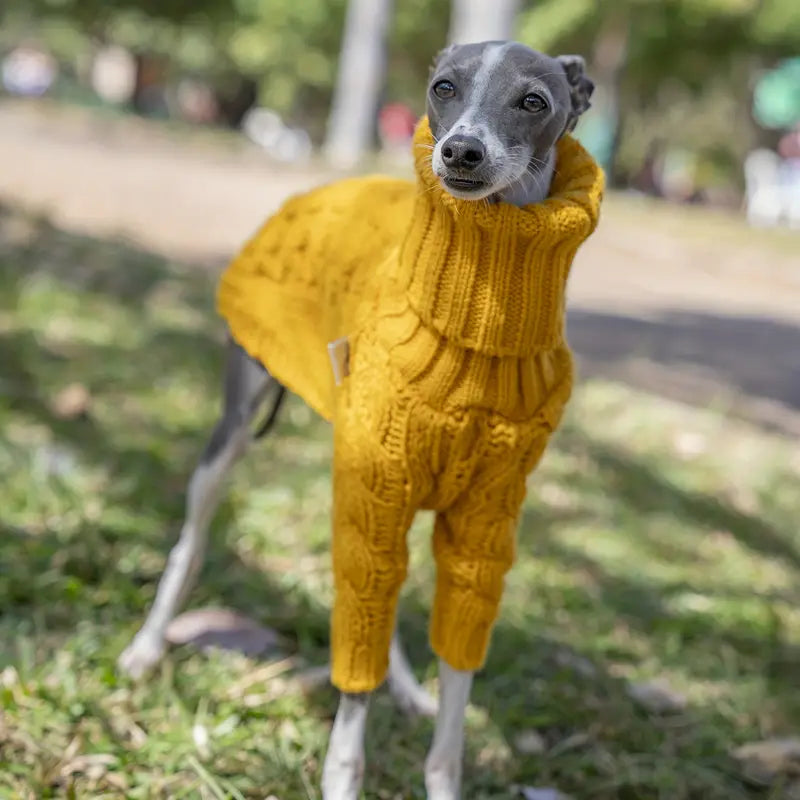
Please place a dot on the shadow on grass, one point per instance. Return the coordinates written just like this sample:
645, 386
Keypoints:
155, 391
750, 364
96, 499
641, 489
145, 459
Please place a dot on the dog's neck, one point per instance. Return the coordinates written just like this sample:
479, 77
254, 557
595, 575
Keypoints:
533, 186
491, 278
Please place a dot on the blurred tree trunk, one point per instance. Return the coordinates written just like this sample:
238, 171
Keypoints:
482, 20
608, 66
362, 61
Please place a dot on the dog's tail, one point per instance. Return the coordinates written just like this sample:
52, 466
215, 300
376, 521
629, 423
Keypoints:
269, 421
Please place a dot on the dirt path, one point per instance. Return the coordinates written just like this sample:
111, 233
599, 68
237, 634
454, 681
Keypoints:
685, 302
193, 201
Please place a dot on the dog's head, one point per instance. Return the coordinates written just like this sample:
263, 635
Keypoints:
496, 109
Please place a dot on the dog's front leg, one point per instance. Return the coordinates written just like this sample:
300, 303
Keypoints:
443, 764
343, 771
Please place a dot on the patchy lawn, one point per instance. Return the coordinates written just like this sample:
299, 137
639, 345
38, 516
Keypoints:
658, 541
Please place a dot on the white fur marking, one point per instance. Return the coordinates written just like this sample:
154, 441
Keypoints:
443, 764
479, 87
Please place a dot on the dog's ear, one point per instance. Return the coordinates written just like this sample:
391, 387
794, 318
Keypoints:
580, 87
439, 57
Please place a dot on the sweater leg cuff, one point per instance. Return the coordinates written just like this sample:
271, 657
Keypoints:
361, 635
461, 625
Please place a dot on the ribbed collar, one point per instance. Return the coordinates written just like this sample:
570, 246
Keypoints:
491, 276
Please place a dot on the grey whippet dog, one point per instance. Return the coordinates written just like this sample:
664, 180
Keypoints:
496, 110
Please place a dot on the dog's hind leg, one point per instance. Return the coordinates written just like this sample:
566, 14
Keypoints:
247, 384
406, 690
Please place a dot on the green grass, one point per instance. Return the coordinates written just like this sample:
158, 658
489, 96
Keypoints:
658, 540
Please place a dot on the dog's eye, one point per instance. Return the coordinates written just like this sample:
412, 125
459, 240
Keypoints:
534, 103
444, 90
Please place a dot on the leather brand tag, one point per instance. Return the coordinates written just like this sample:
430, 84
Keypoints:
339, 353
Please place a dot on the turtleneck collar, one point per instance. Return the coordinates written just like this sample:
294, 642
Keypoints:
491, 277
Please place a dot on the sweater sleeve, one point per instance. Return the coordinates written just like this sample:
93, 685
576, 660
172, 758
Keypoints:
474, 543
376, 491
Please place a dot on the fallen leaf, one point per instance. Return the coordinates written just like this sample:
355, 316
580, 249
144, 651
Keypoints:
117, 780
72, 401
530, 743
264, 674
93, 761
764, 761
220, 627
657, 697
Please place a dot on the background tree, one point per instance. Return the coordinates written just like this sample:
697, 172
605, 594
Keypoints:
483, 20
360, 81
363, 59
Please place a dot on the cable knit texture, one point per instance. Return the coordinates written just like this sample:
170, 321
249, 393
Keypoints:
459, 373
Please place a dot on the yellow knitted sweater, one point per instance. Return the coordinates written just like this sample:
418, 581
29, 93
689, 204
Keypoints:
458, 372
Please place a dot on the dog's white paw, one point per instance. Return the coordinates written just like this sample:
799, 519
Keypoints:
141, 655
341, 779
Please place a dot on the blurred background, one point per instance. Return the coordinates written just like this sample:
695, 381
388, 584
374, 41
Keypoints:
649, 645
687, 89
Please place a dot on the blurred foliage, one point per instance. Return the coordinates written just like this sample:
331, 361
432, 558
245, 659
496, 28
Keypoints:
688, 70
683, 39
290, 48
687, 73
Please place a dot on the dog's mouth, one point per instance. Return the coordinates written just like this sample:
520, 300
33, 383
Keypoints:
463, 184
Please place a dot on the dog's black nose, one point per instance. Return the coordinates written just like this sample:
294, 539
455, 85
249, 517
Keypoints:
463, 152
